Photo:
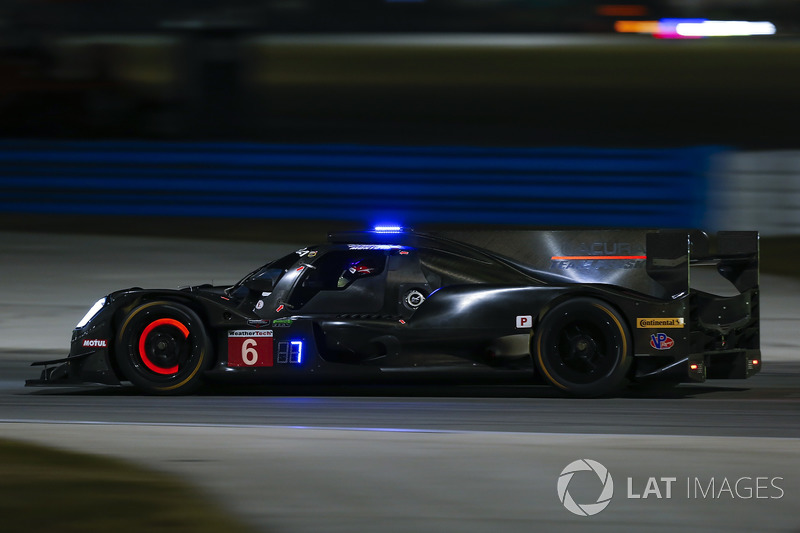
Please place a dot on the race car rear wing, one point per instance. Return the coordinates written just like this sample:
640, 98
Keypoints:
671, 256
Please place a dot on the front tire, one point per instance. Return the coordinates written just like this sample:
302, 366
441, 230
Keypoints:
582, 347
163, 348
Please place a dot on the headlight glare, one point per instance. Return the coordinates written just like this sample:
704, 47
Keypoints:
98, 305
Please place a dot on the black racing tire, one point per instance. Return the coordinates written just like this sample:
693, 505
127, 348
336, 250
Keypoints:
583, 348
163, 348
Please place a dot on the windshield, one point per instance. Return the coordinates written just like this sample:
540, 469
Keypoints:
273, 270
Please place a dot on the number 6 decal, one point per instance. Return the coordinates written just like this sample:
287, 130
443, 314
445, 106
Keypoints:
249, 353
249, 348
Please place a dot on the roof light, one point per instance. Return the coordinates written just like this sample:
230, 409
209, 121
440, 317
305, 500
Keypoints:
388, 229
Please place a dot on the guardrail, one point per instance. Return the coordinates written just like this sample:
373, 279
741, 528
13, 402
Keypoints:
546, 187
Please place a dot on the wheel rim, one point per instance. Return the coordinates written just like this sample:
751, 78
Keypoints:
582, 351
164, 345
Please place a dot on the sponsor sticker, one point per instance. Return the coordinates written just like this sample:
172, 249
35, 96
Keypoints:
661, 341
524, 321
247, 347
282, 322
660, 323
249, 333
373, 247
600, 256
95, 343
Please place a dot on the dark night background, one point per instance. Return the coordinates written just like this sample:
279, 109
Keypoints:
444, 72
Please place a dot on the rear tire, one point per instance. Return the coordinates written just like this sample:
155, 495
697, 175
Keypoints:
583, 348
163, 348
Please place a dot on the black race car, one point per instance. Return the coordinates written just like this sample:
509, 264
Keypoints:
585, 311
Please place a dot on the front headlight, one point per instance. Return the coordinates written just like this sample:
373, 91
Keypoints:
98, 305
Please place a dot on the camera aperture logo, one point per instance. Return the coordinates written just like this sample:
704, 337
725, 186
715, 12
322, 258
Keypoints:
585, 509
656, 488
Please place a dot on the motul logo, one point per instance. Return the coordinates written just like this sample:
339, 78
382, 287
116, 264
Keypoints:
95, 343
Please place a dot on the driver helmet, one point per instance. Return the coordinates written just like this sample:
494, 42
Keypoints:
355, 270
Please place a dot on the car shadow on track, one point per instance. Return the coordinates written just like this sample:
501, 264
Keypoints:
683, 391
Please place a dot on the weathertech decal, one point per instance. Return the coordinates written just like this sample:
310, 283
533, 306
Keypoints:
95, 343
247, 347
659, 322
661, 341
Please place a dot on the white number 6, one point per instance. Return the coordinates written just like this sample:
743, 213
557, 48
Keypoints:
249, 353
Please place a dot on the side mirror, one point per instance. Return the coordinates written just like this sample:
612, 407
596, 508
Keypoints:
261, 284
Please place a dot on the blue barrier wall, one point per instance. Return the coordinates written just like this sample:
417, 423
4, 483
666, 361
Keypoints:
562, 186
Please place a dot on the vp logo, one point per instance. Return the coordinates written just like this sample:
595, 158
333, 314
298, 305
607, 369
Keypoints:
585, 509
661, 341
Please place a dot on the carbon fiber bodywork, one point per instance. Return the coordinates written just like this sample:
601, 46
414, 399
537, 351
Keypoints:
397, 303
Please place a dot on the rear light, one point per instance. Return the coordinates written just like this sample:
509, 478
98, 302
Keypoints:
693, 367
756, 362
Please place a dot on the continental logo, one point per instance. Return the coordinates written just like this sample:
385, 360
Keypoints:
659, 322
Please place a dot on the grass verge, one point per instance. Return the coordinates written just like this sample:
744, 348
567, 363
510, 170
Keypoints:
43, 489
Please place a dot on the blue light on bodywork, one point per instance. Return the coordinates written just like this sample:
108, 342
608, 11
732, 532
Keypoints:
296, 354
